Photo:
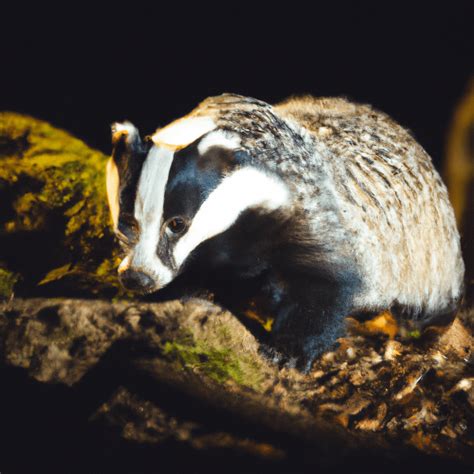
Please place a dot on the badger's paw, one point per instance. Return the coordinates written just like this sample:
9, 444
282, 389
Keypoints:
287, 353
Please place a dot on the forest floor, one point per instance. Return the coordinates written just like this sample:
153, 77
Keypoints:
90, 385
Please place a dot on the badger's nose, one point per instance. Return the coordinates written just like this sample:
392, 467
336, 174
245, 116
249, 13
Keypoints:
136, 280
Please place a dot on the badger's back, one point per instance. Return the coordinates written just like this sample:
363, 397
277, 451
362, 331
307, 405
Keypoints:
394, 216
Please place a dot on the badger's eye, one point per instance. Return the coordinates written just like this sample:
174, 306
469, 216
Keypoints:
177, 225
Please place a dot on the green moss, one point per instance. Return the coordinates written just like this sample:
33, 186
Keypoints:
7, 282
415, 334
52, 185
219, 364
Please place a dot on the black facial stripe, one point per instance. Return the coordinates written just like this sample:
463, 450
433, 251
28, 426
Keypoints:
164, 251
129, 159
188, 185
193, 177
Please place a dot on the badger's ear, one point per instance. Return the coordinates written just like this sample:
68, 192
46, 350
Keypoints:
124, 130
125, 140
123, 168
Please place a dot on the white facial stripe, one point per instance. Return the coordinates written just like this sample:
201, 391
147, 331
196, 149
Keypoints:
112, 184
182, 132
151, 185
219, 138
244, 189
149, 211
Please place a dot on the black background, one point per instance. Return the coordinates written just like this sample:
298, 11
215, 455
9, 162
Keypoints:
82, 68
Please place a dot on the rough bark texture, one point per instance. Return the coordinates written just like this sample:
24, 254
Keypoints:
190, 375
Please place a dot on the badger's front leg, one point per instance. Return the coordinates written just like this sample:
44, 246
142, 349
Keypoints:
311, 316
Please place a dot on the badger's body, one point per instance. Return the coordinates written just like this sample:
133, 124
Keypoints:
307, 211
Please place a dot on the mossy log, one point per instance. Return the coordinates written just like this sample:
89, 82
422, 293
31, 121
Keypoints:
372, 397
54, 223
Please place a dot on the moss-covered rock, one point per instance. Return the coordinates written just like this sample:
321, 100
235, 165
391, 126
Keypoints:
54, 221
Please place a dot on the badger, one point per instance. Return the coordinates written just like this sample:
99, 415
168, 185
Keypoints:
305, 212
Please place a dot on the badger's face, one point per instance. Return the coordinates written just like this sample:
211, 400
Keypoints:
188, 184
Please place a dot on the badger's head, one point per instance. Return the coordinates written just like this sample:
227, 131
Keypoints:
186, 185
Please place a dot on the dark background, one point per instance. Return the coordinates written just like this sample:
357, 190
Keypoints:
82, 69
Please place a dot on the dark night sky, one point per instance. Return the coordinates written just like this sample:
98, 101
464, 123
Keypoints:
84, 69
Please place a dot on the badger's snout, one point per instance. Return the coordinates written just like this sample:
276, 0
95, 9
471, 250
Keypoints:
137, 281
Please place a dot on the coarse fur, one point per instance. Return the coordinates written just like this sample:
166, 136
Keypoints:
307, 211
